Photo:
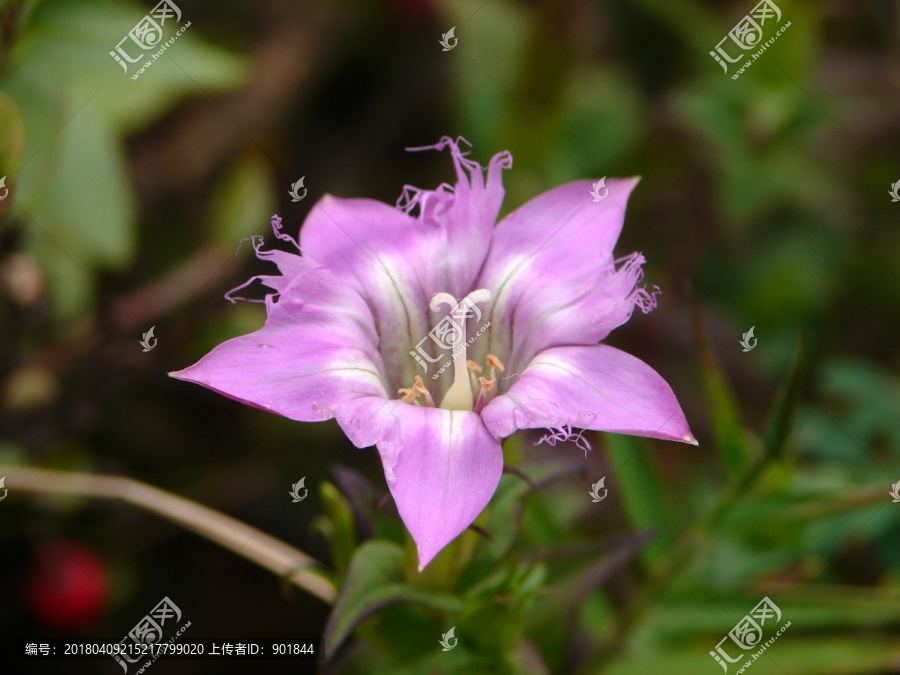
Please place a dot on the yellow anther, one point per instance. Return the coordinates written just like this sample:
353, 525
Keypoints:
494, 362
486, 385
472, 366
409, 395
418, 389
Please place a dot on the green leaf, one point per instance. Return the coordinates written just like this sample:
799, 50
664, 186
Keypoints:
74, 188
833, 655
641, 489
67, 46
338, 528
818, 607
497, 608
501, 521
376, 579
786, 405
726, 423
79, 206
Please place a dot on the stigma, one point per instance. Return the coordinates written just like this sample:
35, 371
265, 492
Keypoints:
460, 395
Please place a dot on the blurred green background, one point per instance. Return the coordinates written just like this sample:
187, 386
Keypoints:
764, 202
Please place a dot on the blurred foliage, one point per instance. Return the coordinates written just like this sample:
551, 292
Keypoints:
763, 203
74, 185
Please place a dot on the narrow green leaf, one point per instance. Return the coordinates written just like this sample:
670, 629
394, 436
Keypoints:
640, 489
376, 579
785, 406
823, 607
791, 653
726, 423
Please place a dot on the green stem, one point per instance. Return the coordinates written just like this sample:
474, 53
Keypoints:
264, 550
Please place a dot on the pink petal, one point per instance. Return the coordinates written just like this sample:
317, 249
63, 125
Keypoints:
317, 349
596, 387
391, 259
290, 265
467, 213
399, 261
442, 466
552, 275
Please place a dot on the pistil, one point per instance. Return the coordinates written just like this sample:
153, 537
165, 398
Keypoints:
459, 396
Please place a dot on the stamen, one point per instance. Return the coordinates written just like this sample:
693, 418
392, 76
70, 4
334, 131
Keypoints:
495, 364
473, 368
418, 389
409, 395
486, 386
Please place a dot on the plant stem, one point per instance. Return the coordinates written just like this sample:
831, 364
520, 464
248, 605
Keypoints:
264, 550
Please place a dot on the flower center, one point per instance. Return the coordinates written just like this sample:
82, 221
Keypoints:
459, 396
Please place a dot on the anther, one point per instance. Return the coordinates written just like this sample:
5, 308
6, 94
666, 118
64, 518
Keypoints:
418, 389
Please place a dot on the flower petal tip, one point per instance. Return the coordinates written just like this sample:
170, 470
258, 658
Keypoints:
425, 560
689, 438
425, 556
428, 550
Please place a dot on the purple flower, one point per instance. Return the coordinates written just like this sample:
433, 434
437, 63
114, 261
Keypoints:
482, 329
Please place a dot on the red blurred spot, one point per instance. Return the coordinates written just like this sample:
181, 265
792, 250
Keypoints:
67, 587
413, 11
